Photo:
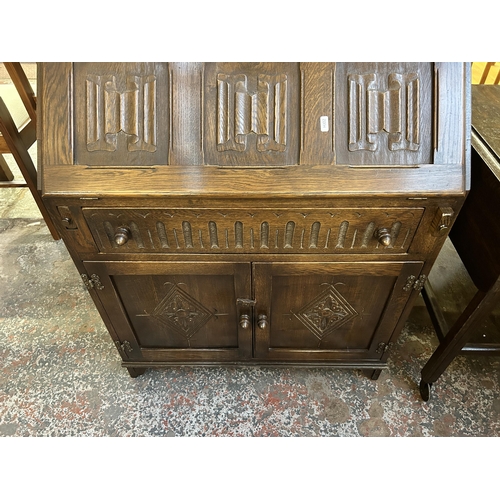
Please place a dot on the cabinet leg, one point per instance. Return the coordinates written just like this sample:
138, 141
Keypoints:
425, 390
373, 374
135, 372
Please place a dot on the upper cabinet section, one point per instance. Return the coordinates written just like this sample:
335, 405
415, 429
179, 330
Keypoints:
254, 114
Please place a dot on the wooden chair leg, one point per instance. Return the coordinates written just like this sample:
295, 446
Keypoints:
486, 72
23, 86
25, 163
5, 172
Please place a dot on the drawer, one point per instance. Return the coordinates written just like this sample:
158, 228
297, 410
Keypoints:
212, 231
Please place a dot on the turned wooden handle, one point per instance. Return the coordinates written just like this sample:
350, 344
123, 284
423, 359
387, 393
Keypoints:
262, 321
122, 235
244, 321
383, 236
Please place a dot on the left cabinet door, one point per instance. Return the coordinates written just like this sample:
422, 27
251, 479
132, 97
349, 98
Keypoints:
175, 311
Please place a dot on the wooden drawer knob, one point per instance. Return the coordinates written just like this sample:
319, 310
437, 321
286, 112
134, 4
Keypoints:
383, 236
122, 235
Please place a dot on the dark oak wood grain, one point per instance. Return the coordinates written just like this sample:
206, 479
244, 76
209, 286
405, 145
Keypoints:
292, 221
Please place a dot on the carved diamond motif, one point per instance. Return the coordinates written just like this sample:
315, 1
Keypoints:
181, 312
326, 313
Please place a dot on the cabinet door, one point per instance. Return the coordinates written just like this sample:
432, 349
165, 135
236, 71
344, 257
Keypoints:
176, 312
317, 311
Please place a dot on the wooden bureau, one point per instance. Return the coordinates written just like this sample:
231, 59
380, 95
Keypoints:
244, 213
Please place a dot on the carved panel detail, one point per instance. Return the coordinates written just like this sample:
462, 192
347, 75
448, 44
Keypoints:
326, 313
242, 112
181, 312
112, 111
376, 107
259, 231
251, 114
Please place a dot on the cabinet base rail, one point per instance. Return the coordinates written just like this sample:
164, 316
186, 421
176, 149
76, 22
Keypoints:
372, 369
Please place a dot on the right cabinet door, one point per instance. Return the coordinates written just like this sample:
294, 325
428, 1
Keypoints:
323, 312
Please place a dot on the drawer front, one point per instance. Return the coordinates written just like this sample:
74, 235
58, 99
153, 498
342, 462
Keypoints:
212, 231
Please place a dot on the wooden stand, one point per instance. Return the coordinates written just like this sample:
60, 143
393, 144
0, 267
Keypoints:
476, 237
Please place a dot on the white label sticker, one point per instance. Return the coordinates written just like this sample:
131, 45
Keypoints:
323, 123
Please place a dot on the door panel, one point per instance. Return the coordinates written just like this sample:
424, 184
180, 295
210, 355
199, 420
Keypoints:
121, 113
251, 113
333, 311
177, 311
384, 113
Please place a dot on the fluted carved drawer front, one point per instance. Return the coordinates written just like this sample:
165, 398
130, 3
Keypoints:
315, 231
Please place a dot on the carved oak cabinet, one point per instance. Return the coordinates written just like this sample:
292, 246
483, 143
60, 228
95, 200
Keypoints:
244, 213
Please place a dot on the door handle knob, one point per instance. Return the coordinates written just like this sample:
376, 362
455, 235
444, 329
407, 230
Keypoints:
262, 321
244, 321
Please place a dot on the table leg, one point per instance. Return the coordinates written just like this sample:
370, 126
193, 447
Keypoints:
477, 310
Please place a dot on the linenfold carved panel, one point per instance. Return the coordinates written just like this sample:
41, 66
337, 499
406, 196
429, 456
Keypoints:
241, 113
395, 111
388, 114
251, 113
111, 111
121, 113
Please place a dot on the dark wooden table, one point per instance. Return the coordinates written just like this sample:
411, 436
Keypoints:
476, 238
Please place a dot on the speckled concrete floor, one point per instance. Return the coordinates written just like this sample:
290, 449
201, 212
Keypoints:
61, 374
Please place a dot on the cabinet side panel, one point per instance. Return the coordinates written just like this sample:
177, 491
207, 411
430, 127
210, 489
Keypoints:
54, 114
451, 95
